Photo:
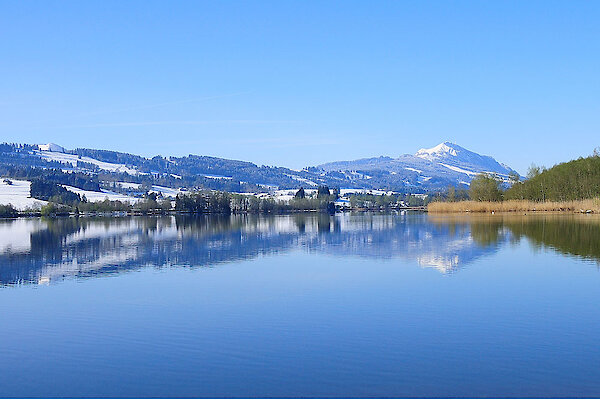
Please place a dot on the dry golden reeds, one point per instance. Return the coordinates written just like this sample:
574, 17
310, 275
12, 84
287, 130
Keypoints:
576, 206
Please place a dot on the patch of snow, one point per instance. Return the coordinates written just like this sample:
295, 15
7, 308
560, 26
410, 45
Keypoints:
129, 185
266, 186
167, 191
285, 197
359, 175
457, 169
437, 151
285, 192
17, 194
413, 169
51, 147
344, 192
101, 196
217, 177
73, 158
501, 177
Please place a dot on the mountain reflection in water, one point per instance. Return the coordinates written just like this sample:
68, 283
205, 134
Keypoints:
42, 251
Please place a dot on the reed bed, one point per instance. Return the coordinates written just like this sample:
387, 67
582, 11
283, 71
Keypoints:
576, 206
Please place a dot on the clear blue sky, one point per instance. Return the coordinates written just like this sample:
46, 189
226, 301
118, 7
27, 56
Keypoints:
299, 83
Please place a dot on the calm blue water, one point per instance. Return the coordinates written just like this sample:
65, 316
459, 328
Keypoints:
301, 306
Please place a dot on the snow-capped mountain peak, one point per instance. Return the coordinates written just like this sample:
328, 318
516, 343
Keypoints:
453, 156
442, 150
439, 166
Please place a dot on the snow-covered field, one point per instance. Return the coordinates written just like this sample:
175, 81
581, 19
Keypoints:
215, 177
344, 192
73, 158
284, 197
288, 194
129, 185
100, 196
167, 191
17, 194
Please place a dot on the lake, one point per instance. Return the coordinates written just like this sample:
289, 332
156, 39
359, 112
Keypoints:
307, 305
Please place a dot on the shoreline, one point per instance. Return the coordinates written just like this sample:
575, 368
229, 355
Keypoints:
157, 213
589, 206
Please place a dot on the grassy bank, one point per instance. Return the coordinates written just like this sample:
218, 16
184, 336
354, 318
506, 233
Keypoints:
576, 206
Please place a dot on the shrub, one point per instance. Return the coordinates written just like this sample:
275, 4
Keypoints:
8, 211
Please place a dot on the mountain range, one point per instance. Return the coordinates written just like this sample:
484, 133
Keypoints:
440, 166
427, 170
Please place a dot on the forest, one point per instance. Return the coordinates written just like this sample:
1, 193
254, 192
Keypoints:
573, 180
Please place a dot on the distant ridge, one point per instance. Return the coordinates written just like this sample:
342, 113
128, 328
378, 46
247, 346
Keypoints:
429, 169
446, 162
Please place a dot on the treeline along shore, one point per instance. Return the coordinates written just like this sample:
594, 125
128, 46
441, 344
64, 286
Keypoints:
61, 202
572, 187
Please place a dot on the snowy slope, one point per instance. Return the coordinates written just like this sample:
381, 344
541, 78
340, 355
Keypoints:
51, 147
446, 163
17, 194
428, 169
166, 191
450, 154
100, 196
72, 160
437, 152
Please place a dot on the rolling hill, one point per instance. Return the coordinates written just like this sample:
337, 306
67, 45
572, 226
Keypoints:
95, 169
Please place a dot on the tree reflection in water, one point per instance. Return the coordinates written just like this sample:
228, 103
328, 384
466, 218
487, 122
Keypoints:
35, 250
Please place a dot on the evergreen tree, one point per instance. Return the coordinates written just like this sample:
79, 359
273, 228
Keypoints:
323, 191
